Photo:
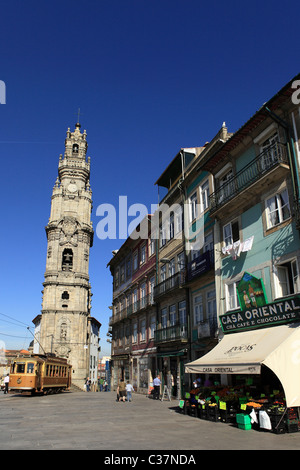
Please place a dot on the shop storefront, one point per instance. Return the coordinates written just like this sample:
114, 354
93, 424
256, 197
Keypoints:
255, 368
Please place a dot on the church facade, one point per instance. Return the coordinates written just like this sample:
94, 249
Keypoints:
65, 326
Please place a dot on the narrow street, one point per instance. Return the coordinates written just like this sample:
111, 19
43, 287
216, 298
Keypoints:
95, 421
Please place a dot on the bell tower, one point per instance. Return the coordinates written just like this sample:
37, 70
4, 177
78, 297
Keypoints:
66, 308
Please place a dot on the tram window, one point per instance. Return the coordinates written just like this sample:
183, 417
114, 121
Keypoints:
47, 370
30, 368
20, 368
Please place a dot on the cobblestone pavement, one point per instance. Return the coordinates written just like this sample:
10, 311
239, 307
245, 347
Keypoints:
95, 421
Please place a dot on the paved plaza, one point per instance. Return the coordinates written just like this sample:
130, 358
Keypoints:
95, 421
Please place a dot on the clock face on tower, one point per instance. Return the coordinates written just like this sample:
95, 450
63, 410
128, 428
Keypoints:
72, 188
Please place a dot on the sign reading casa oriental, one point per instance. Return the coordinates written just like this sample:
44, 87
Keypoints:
255, 311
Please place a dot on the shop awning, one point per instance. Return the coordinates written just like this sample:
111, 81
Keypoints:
244, 353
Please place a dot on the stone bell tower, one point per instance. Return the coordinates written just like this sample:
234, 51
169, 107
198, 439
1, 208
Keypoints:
65, 319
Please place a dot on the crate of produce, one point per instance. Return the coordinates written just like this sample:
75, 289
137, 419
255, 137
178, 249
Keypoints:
212, 413
202, 412
227, 412
292, 425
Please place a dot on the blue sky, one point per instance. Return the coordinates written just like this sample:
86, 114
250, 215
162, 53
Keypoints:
149, 77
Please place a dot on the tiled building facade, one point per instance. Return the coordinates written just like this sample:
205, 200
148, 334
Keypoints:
231, 206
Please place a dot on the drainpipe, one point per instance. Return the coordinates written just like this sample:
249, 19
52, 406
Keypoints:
293, 161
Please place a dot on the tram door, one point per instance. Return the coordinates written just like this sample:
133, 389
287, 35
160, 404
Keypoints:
38, 375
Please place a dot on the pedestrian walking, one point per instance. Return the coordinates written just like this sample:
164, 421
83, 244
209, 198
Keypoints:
87, 384
121, 391
129, 390
6, 382
156, 385
101, 384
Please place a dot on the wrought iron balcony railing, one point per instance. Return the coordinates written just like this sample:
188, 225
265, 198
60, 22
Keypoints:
271, 157
171, 333
169, 284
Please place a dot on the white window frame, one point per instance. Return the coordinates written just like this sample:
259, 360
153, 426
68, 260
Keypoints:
134, 332
172, 314
287, 279
152, 326
143, 330
232, 301
193, 206
198, 309
229, 237
178, 221
182, 312
278, 209
211, 305
143, 254
204, 195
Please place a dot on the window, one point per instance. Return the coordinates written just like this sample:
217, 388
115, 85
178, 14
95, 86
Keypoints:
232, 302
134, 334
178, 221
211, 306
151, 289
143, 254
231, 233
30, 368
226, 185
198, 309
172, 267
180, 262
204, 195
135, 261
20, 369
269, 151
152, 326
65, 295
182, 312
163, 273
128, 268
143, 295
134, 300
163, 235
75, 148
164, 318
287, 279
171, 226
143, 330
208, 242
193, 206
277, 208
151, 247
172, 315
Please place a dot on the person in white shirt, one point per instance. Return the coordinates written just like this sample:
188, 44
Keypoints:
129, 390
156, 385
6, 382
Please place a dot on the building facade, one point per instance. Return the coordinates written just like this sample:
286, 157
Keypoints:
231, 210
133, 322
65, 326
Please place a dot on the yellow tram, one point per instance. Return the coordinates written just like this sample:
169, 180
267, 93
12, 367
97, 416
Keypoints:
40, 374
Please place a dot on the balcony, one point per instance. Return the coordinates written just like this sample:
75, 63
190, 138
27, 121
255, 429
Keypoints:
168, 285
274, 157
132, 308
140, 304
171, 333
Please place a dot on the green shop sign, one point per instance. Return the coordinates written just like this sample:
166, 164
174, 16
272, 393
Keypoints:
255, 311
